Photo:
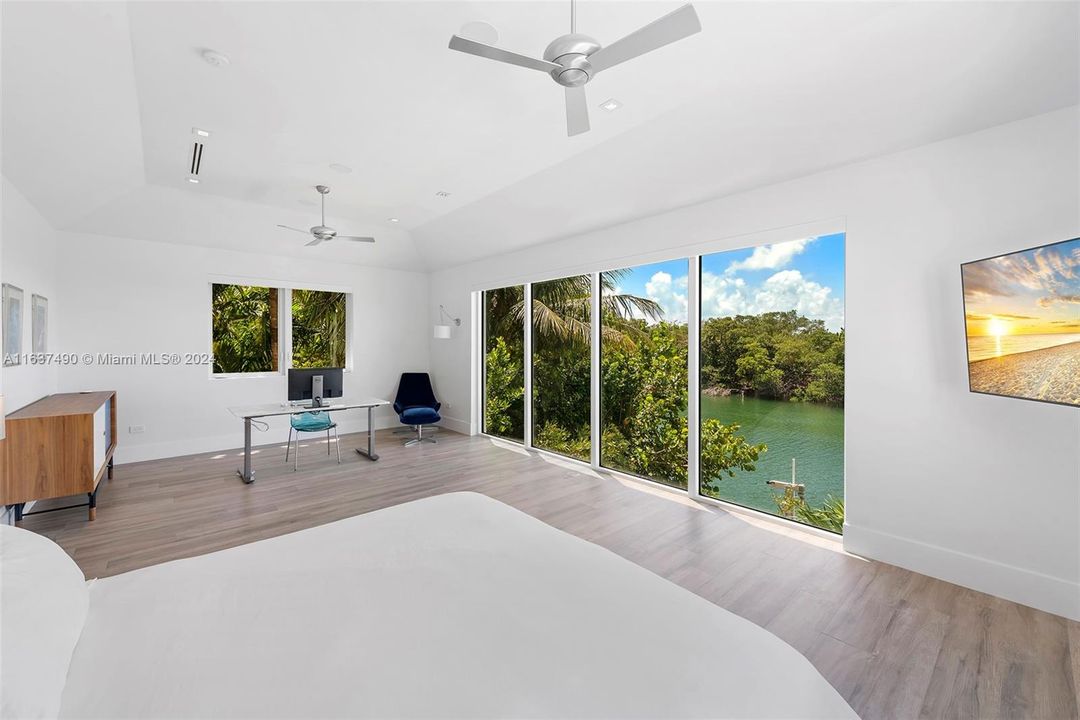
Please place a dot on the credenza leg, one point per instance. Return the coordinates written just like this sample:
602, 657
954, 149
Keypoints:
110, 468
17, 509
93, 504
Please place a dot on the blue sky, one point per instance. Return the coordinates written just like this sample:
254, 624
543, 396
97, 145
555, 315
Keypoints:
805, 274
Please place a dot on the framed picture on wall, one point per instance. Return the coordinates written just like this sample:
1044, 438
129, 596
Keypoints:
39, 324
1022, 315
12, 331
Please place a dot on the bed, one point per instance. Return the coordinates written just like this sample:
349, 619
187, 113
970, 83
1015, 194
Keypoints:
451, 606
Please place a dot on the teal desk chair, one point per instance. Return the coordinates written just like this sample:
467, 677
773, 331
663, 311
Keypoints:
311, 422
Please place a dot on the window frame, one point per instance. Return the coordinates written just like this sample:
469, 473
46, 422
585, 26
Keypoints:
692, 252
284, 298
598, 338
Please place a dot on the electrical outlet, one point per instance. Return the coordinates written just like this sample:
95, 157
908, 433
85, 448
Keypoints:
136, 429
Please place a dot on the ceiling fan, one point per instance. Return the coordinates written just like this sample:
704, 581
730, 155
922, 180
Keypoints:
574, 59
321, 232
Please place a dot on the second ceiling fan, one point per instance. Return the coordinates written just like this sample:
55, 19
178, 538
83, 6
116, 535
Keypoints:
573, 60
322, 232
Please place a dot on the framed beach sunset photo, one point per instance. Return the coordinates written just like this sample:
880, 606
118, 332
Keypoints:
1022, 315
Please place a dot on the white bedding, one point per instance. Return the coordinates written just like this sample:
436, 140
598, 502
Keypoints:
452, 606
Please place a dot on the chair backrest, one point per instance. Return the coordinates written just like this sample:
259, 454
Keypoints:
415, 390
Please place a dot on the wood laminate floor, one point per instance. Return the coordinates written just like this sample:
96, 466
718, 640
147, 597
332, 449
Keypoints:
894, 643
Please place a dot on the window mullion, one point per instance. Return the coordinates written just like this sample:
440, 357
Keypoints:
693, 374
594, 407
285, 327
528, 350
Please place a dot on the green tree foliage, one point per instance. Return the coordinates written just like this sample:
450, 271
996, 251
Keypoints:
643, 369
318, 329
830, 516
244, 320
504, 367
504, 390
723, 451
780, 355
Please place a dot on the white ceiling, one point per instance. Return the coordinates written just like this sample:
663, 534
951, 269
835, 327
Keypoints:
99, 100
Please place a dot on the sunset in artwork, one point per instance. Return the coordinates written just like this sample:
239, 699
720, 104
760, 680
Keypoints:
1022, 314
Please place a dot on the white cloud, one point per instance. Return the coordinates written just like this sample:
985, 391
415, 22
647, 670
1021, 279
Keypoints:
670, 294
786, 290
771, 257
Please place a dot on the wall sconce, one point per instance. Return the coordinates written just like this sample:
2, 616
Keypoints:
442, 332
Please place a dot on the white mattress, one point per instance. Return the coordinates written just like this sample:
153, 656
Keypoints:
452, 606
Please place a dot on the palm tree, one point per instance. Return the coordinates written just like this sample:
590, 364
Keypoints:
562, 308
318, 325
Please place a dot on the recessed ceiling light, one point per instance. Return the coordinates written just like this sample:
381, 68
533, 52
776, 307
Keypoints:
394, 220
611, 105
338, 167
193, 180
442, 194
200, 132
213, 57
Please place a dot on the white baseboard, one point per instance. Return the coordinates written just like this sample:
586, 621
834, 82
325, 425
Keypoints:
457, 425
232, 441
1044, 592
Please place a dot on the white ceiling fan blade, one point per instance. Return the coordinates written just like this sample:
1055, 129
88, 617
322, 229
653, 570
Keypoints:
493, 53
577, 111
316, 241
306, 232
673, 26
355, 238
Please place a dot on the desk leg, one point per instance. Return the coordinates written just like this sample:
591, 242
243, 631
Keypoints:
246, 474
370, 454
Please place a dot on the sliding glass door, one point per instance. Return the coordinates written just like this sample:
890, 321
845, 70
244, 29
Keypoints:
772, 379
561, 380
643, 371
504, 362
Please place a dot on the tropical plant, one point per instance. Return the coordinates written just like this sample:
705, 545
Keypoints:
504, 391
244, 328
318, 329
830, 516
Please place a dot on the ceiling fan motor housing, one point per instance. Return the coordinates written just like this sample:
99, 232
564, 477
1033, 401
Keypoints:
572, 53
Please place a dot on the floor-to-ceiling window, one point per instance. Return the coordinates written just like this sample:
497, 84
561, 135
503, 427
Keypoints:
643, 371
772, 378
770, 352
561, 365
504, 362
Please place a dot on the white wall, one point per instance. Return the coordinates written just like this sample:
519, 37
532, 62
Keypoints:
132, 296
29, 262
979, 490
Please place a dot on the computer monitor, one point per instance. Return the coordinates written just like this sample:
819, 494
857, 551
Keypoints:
304, 384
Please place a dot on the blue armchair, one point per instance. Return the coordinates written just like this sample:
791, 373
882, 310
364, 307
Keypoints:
416, 405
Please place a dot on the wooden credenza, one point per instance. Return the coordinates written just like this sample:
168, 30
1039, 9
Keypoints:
59, 446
